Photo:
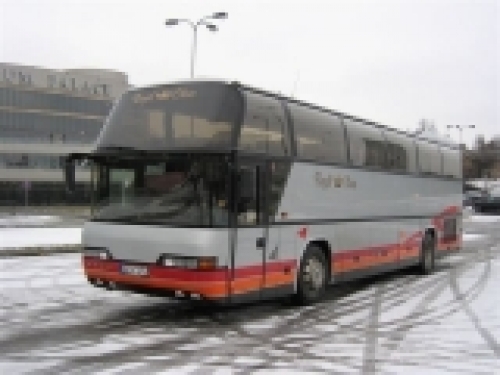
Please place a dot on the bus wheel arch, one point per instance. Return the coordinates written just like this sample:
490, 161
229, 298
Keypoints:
428, 252
314, 272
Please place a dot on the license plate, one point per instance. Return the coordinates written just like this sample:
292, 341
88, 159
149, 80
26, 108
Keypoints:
135, 270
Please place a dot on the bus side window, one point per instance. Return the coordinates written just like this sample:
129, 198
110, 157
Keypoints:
400, 152
247, 204
264, 128
367, 147
319, 134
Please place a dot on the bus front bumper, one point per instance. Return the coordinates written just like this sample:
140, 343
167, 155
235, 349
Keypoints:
155, 279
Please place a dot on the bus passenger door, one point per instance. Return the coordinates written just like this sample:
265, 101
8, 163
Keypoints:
250, 242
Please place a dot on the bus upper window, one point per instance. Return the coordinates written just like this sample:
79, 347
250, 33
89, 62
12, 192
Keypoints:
366, 145
193, 115
400, 152
264, 128
185, 127
319, 135
156, 121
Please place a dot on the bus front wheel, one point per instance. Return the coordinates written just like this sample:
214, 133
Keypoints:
312, 277
427, 257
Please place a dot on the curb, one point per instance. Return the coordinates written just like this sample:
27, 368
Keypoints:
39, 250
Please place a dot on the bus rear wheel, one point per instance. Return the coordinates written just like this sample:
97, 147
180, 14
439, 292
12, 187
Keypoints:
312, 277
427, 257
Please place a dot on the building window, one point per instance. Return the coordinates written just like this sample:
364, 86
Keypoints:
51, 81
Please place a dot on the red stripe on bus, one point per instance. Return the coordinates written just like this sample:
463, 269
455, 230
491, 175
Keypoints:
195, 275
361, 258
208, 289
211, 284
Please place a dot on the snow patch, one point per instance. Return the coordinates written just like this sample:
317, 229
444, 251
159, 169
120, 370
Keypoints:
34, 237
485, 218
472, 237
15, 220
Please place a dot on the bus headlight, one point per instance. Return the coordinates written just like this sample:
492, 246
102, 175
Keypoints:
168, 262
201, 263
99, 252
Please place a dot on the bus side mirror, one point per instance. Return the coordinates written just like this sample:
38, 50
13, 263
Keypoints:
69, 174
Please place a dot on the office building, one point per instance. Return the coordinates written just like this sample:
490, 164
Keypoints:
44, 115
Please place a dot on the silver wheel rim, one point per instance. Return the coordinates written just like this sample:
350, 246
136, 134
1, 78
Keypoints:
314, 274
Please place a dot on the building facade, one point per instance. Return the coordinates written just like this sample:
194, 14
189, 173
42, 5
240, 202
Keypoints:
483, 161
44, 115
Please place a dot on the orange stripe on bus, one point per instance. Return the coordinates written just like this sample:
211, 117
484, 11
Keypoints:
274, 279
209, 289
251, 284
213, 289
356, 260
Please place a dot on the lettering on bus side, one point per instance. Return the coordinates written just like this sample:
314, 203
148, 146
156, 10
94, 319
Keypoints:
334, 181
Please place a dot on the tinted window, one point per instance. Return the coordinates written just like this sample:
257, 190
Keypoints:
174, 116
366, 144
400, 152
429, 158
451, 162
279, 175
264, 128
319, 135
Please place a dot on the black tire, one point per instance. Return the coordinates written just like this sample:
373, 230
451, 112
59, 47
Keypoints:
312, 276
428, 254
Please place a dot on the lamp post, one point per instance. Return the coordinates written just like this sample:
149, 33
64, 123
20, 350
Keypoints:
194, 25
460, 130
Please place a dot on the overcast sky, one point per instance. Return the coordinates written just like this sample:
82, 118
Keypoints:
394, 62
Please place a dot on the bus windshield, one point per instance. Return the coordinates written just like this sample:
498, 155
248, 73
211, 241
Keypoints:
189, 115
187, 190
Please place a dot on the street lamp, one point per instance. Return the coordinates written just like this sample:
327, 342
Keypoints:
194, 25
460, 130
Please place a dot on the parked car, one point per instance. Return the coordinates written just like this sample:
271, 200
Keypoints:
471, 196
489, 202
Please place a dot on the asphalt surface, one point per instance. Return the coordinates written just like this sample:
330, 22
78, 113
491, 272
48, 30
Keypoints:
52, 321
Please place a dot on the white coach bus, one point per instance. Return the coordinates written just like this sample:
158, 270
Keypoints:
218, 191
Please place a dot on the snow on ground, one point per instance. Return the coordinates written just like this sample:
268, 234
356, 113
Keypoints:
27, 220
469, 237
445, 323
484, 218
23, 231
52, 321
35, 237
462, 341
